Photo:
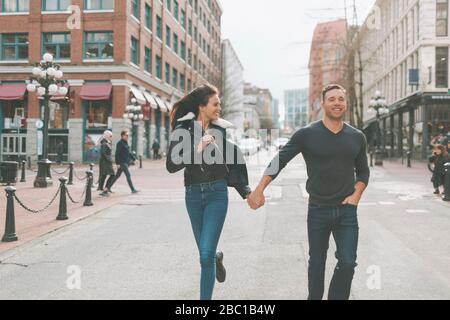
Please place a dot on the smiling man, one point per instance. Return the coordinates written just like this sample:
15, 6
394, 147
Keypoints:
338, 174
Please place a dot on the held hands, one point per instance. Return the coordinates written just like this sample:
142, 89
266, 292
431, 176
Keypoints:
256, 199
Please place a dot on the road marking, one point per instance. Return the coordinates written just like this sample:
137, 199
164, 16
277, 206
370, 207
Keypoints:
386, 203
368, 204
417, 211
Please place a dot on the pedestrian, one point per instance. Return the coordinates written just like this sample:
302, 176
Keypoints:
195, 119
123, 158
106, 164
59, 152
334, 152
155, 147
441, 157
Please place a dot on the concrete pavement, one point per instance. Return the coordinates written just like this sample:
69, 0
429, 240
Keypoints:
143, 247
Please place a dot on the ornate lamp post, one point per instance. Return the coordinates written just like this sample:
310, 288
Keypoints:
47, 82
379, 106
134, 113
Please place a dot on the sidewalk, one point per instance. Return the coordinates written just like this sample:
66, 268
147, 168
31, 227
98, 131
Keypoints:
30, 226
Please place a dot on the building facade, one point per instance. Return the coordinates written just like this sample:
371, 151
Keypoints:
327, 62
405, 53
296, 109
111, 51
276, 113
232, 86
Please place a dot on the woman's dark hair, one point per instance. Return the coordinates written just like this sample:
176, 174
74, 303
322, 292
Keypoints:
443, 150
192, 102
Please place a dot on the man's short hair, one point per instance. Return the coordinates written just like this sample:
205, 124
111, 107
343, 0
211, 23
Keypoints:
124, 132
330, 87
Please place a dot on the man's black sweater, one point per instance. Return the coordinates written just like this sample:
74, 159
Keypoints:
335, 162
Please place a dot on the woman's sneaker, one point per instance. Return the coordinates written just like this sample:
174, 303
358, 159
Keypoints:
221, 273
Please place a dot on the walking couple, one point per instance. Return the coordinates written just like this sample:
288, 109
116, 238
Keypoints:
338, 174
123, 157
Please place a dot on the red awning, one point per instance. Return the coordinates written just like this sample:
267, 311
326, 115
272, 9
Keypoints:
96, 91
12, 91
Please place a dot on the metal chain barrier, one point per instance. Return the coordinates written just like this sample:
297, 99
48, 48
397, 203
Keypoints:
37, 211
67, 169
81, 179
73, 201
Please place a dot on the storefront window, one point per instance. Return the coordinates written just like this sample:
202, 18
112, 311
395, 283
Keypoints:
97, 114
15, 112
59, 115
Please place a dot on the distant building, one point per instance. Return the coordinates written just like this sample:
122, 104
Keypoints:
258, 105
276, 113
232, 86
296, 109
328, 52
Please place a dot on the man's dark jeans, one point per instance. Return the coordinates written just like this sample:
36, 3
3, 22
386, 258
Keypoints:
124, 168
342, 222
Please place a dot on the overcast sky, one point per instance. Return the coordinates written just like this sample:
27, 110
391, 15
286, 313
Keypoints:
272, 38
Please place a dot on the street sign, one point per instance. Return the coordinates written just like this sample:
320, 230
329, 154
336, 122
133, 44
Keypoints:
39, 124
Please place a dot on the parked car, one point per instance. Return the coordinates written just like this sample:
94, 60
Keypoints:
280, 143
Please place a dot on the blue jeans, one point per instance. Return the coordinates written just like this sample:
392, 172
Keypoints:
342, 222
207, 206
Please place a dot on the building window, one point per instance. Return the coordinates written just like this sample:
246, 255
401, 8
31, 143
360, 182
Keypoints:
148, 60
441, 18
159, 27
55, 5
58, 44
175, 43
135, 51
169, 5
14, 46
168, 36
189, 84
176, 9
99, 4
190, 27
99, 45
97, 114
183, 50
148, 17
158, 67
175, 78
442, 67
59, 114
167, 73
183, 19
182, 82
189, 57
16, 6
195, 62
136, 8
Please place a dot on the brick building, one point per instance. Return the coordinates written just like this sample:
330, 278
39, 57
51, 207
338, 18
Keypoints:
326, 65
110, 51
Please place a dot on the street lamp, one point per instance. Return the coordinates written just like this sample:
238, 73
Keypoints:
47, 82
379, 106
134, 113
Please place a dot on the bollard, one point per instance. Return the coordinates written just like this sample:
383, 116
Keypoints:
408, 159
62, 215
71, 173
89, 180
23, 178
447, 182
371, 158
10, 225
29, 163
140, 162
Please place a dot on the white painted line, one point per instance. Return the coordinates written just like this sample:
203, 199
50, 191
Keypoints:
368, 204
417, 211
386, 203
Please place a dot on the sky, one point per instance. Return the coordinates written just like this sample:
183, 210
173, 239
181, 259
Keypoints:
272, 38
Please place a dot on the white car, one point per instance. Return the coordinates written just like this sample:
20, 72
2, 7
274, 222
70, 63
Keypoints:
280, 143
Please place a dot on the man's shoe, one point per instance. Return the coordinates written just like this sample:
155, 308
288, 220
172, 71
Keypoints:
135, 191
110, 191
437, 192
221, 273
104, 194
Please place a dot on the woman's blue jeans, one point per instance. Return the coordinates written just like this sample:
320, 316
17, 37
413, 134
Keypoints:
207, 205
342, 222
